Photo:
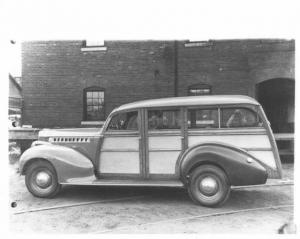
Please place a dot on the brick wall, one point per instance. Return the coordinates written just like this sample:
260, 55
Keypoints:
56, 72
234, 67
51, 86
224, 68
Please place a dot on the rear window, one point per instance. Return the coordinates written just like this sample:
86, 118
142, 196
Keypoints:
239, 117
203, 118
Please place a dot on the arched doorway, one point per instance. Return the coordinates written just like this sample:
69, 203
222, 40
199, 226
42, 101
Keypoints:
277, 97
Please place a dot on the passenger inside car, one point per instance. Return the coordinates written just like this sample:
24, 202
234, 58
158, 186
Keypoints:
239, 118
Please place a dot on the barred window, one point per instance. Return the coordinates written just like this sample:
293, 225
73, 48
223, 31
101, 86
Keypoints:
94, 104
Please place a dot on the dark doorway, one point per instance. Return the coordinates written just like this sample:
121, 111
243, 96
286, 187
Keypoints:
277, 97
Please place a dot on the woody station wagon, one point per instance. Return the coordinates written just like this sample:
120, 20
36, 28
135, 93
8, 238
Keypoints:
205, 144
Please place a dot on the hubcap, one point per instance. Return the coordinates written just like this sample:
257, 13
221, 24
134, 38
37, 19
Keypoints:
208, 186
43, 179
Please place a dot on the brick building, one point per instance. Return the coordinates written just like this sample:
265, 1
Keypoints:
15, 95
75, 83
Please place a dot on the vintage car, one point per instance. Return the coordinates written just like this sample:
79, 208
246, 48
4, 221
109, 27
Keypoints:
205, 144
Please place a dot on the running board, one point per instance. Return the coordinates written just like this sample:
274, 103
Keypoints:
126, 182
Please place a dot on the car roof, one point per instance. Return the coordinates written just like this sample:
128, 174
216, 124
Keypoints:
190, 101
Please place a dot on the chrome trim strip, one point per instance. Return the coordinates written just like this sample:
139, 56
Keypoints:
258, 149
225, 132
176, 184
119, 150
241, 129
121, 134
158, 150
163, 133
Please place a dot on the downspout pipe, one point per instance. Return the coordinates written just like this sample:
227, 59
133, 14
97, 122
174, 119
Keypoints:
175, 68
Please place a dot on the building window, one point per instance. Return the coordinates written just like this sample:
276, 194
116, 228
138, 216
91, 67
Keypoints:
94, 104
93, 46
92, 43
199, 89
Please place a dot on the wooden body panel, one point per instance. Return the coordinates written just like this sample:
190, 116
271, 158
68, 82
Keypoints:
120, 154
120, 143
163, 162
163, 152
162, 142
241, 141
120, 162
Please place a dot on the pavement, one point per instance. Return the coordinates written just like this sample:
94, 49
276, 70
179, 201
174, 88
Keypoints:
85, 209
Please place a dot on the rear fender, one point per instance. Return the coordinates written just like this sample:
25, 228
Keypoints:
71, 166
241, 168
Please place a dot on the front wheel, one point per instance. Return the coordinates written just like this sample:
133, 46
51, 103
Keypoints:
41, 180
209, 186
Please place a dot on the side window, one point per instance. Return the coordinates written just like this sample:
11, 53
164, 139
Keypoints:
239, 117
164, 119
124, 121
203, 118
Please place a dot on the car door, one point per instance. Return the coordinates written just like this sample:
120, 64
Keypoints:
164, 142
120, 154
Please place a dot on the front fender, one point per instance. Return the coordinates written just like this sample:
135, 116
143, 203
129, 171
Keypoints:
71, 166
240, 167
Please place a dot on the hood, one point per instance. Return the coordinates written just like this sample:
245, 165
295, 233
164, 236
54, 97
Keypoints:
70, 132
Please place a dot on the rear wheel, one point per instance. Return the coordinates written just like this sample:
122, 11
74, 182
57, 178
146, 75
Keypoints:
41, 180
209, 186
